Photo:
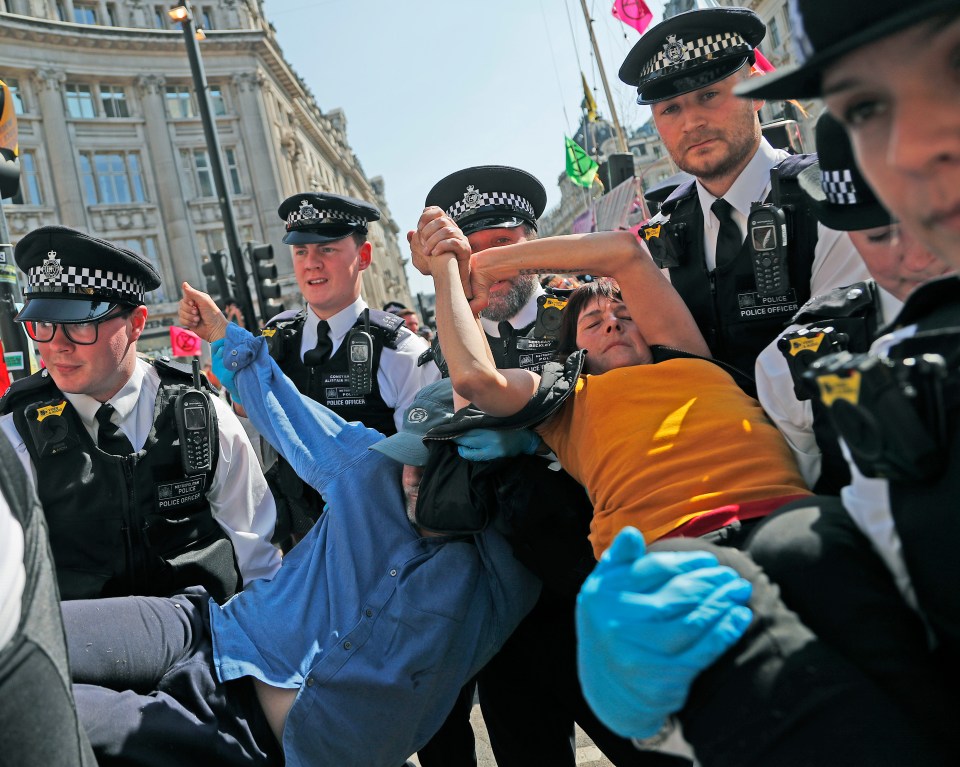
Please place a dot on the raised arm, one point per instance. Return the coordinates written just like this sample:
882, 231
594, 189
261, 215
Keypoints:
654, 304
440, 248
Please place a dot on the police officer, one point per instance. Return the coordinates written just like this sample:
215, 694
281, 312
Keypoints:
685, 69
845, 318
496, 205
101, 432
529, 693
359, 362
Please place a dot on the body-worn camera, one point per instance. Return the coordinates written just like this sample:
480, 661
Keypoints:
550, 313
767, 237
804, 346
889, 411
665, 241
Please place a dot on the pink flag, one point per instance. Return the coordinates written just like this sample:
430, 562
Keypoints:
185, 343
761, 62
633, 13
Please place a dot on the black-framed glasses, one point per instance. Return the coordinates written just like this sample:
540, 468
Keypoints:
80, 333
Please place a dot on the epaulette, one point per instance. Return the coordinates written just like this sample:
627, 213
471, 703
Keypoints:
850, 301
24, 387
938, 297
169, 368
679, 194
390, 325
284, 316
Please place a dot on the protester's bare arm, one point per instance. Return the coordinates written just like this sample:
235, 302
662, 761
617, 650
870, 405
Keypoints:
472, 371
200, 313
655, 305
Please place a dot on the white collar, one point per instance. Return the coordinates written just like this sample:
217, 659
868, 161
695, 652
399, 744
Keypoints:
752, 185
340, 323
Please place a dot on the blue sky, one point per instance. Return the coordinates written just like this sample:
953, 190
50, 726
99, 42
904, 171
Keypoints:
431, 87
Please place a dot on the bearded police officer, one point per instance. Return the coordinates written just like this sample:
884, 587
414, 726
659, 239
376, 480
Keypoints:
103, 431
529, 693
359, 362
685, 69
496, 205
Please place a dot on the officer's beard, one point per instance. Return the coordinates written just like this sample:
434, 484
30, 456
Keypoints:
503, 306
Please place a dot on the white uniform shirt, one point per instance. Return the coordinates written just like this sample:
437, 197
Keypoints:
835, 263
399, 377
793, 417
240, 500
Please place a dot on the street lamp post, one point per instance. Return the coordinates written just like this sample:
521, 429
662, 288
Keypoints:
183, 15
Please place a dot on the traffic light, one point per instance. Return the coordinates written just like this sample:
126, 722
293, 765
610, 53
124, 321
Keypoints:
214, 271
265, 279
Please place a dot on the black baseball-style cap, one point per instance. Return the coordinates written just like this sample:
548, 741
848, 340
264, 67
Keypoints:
841, 198
690, 51
317, 217
75, 277
489, 197
823, 32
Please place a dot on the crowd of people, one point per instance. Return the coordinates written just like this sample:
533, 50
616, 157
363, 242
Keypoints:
694, 487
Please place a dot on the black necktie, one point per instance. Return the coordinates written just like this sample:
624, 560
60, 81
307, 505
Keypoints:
109, 437
729, 240
319, 353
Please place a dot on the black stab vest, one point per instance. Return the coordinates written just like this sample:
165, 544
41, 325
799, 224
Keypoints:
122, 525
735, 320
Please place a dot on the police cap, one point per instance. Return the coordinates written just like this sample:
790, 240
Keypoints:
690, 51
75, 277
841, 198
823, 32
316, 217
489, 197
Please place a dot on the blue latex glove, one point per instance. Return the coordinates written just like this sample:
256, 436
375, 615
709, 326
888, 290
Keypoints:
221, 372
487, 444
648, 624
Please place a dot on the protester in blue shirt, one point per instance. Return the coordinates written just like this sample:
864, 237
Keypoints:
357, 647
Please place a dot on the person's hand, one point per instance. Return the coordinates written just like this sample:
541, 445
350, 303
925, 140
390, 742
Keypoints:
648, 624
200, 313
488, 444
438, 235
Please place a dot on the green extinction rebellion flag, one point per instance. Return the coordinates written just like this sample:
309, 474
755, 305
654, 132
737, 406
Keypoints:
581, 167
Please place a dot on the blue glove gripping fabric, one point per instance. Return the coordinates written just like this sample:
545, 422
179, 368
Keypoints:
648, 624
488, 444
220, 370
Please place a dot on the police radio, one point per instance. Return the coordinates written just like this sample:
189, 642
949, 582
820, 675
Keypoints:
360, 350
550, 312
767, 237
194, 426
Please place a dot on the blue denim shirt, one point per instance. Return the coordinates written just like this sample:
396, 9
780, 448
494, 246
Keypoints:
377, 626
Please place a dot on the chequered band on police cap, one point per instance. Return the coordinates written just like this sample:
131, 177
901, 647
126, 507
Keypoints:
676, 51
307, 215
83, 280
839, 187
474, 200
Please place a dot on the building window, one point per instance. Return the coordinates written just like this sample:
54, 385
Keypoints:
206, 17
15, 95
180, 102
30, 191
160, 18
114, 100
111, 177
80, 103
85, 13
146, 246
217, 105
196, 166
775, 40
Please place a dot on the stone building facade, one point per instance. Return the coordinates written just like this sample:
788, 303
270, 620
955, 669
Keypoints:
111, 139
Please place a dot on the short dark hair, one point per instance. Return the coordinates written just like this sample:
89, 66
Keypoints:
359, 238
577, 302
